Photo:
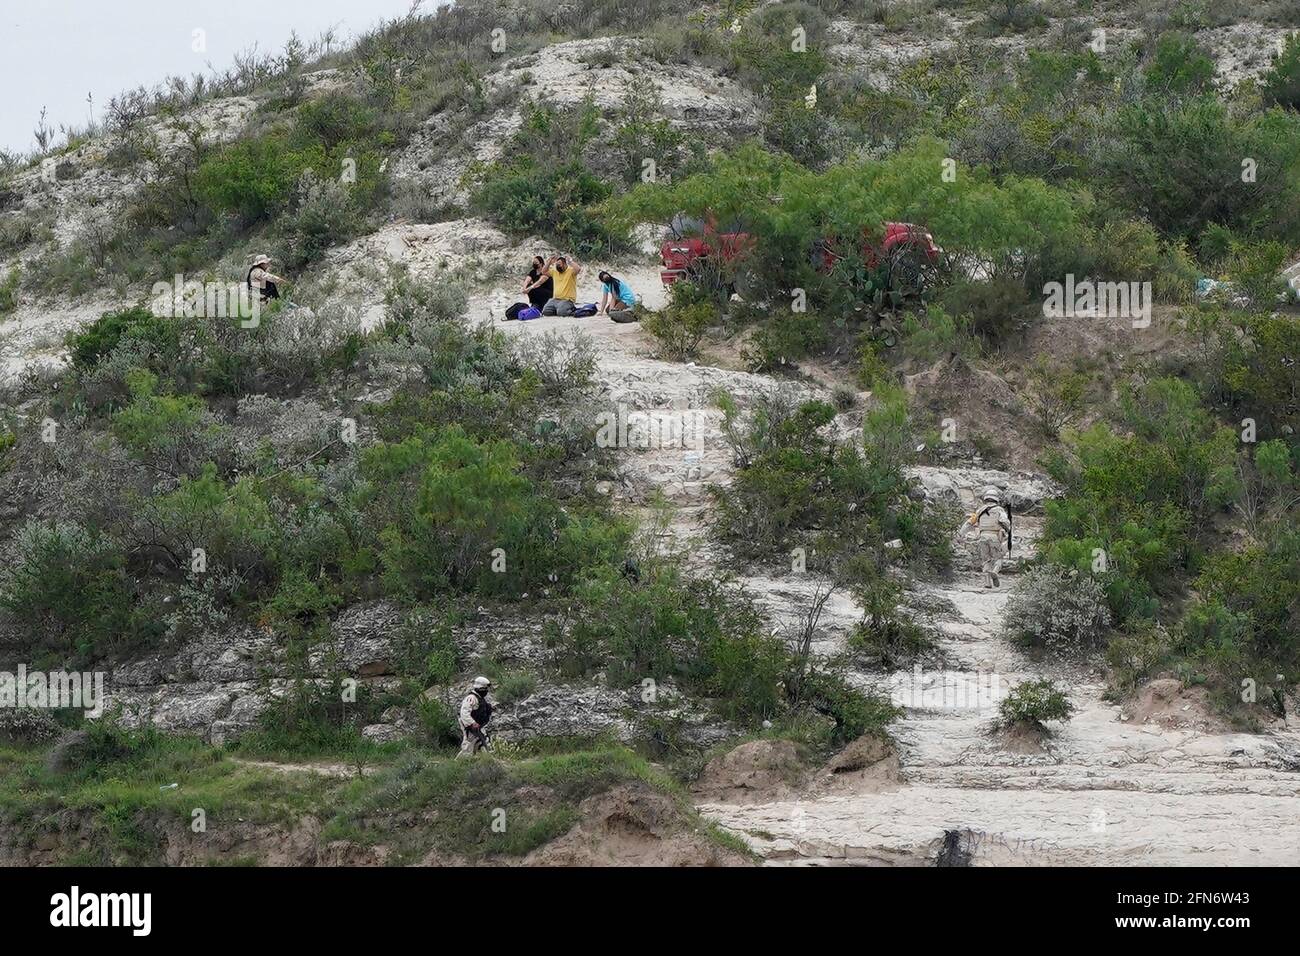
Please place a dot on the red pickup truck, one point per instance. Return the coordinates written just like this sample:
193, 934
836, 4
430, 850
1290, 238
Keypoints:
697, 247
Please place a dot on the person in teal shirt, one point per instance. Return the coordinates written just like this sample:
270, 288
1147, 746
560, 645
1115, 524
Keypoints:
616, 297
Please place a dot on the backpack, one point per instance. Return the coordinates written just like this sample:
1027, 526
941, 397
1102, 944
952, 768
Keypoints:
584, 310
531, 312
512, 313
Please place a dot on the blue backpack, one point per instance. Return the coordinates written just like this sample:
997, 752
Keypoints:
586, 309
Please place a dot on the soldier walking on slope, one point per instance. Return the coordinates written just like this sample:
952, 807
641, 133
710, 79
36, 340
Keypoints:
990, 522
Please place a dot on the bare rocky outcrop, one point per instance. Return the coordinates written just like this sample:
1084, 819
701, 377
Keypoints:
713, 107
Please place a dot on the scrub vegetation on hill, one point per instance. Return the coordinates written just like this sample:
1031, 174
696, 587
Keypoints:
438, 448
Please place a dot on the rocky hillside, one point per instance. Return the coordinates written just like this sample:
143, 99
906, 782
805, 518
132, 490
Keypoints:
748, 626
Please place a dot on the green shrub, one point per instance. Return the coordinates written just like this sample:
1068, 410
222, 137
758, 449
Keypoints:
993, 310
1243, 361
681, 325
763, 55
543, 186
1176, 274
872, 369
1030, 703
1244, 622
1215, 641
21, 229
1257, 358
1255, 269
1179, 67
514, 686
333, 120
1058, 396
1185, 165
934, 334
887, 634
782, 341
469, 502
91, 343
301, 599
251, 179
796, 485
412, 300
174, 435
1135, 656
315, 718
1281, 84
1011, 16
525, 200
67, 589
111, 746
323, 216
1135, 504
700, 633
644, 132
453, 513
1060, 611
788, 467
790, 126
1215, 245
855, 713
1127, 250
562, 364
229, 522
9, 289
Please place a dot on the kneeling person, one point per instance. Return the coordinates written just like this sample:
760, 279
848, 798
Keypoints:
616, 298
261, 281
564, 292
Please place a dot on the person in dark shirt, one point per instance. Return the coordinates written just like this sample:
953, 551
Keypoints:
538, 283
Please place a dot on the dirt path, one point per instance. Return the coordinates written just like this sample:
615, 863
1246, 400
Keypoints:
325, 769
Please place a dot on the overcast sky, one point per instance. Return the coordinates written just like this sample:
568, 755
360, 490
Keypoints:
54, 52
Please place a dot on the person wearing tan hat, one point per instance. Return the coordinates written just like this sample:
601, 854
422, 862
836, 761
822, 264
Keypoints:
263, 280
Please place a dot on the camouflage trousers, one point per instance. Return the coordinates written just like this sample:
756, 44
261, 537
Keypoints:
989, 551
471, 742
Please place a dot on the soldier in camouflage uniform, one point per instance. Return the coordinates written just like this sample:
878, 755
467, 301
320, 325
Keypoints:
475, 712
992, 529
